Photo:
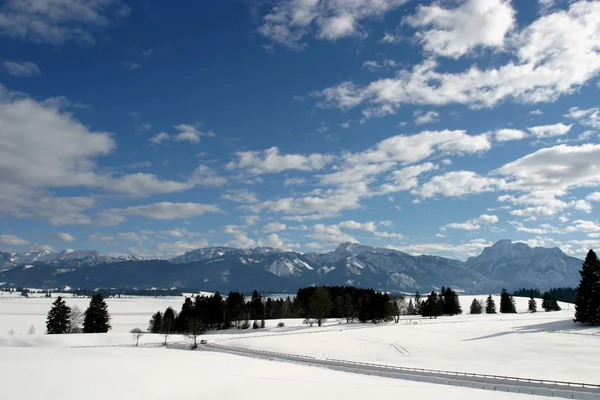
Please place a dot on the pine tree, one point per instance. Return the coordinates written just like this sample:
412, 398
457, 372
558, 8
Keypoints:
187, 312
432, 307
411, 308
507, 303
554, 305
532, 305
97, 318
155, 323
450, 302
418, 304
587, 299
58, 317
476, 307
319, 305
547, 302
490, 305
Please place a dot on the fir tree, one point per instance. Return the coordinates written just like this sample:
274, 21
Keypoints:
418, 304
490, 305
450, 302
58, 317
155, 324
319, 305
476, 307
532, 305
507, 303
411, 308
587, 299
554, 305
256, 306
187, 312
547, 302
97, 318
432, 307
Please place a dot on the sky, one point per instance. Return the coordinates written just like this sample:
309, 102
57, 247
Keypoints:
434, 127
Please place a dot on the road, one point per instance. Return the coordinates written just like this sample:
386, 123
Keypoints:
514, 385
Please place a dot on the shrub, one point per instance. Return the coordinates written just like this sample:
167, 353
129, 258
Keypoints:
280, 325
255, 325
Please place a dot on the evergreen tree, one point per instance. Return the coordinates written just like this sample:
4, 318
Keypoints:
432, 307
256, 306
547, 302
418, 304
507, 303
349, 312
476, 307
554, 305
97, 318
587, 299
532, 305
450, 302
58, 317
490, 305
411, 308
155, 324
319, 305
187, 312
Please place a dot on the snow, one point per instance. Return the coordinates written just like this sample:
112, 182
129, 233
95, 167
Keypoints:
542, 345
157, 373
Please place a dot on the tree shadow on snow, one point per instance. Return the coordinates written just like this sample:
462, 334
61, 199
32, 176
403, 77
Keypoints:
566, 327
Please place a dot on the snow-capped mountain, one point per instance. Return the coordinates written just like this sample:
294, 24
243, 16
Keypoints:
520, 265
66, 258
505, 264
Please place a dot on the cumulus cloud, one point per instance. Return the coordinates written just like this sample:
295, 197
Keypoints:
57, 22
457, 184
504, 135
22, 68
274, 227
587, 117
554, 55
240, 196
461, 250
454, 32
161, 211
185, 133
12, 240
272, 161
546, 131
425, 118
290, 21
65, 237
472, 224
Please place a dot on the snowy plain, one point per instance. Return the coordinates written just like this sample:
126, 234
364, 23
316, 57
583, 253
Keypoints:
540, 345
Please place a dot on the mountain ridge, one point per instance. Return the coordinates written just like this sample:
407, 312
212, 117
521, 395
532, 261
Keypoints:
504, 264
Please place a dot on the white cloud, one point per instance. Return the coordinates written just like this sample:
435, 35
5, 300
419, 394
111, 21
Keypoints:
370, 226
391, 38
425, 118
250, 219
22, 68
406, 178
161, 211
473, 224
185, 133
65, 237
57, 22
11, 240
274, 227
371, 65
504, 135
546, 131
456, 32
289, 21
271, 161
461, 251
456, 184
330, 234
555, 55
159, 138
536, 112
240, 237
132, 66
389, 235
593, 196
587, 117
240, 196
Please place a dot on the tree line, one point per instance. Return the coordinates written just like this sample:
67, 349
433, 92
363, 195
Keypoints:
64, 319
550, 297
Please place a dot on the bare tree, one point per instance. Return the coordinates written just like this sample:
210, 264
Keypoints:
137, 333
75, 320
31, 330
194, 329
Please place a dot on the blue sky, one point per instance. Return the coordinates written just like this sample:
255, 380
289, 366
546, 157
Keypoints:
429, 127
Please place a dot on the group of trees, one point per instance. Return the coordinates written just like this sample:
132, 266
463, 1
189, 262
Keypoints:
444, 303
64, 319
507, 305
587, 300
549, 298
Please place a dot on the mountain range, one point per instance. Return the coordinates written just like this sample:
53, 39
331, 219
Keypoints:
502, 265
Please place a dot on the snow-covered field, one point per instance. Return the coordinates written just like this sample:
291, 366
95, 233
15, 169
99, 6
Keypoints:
542, 345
